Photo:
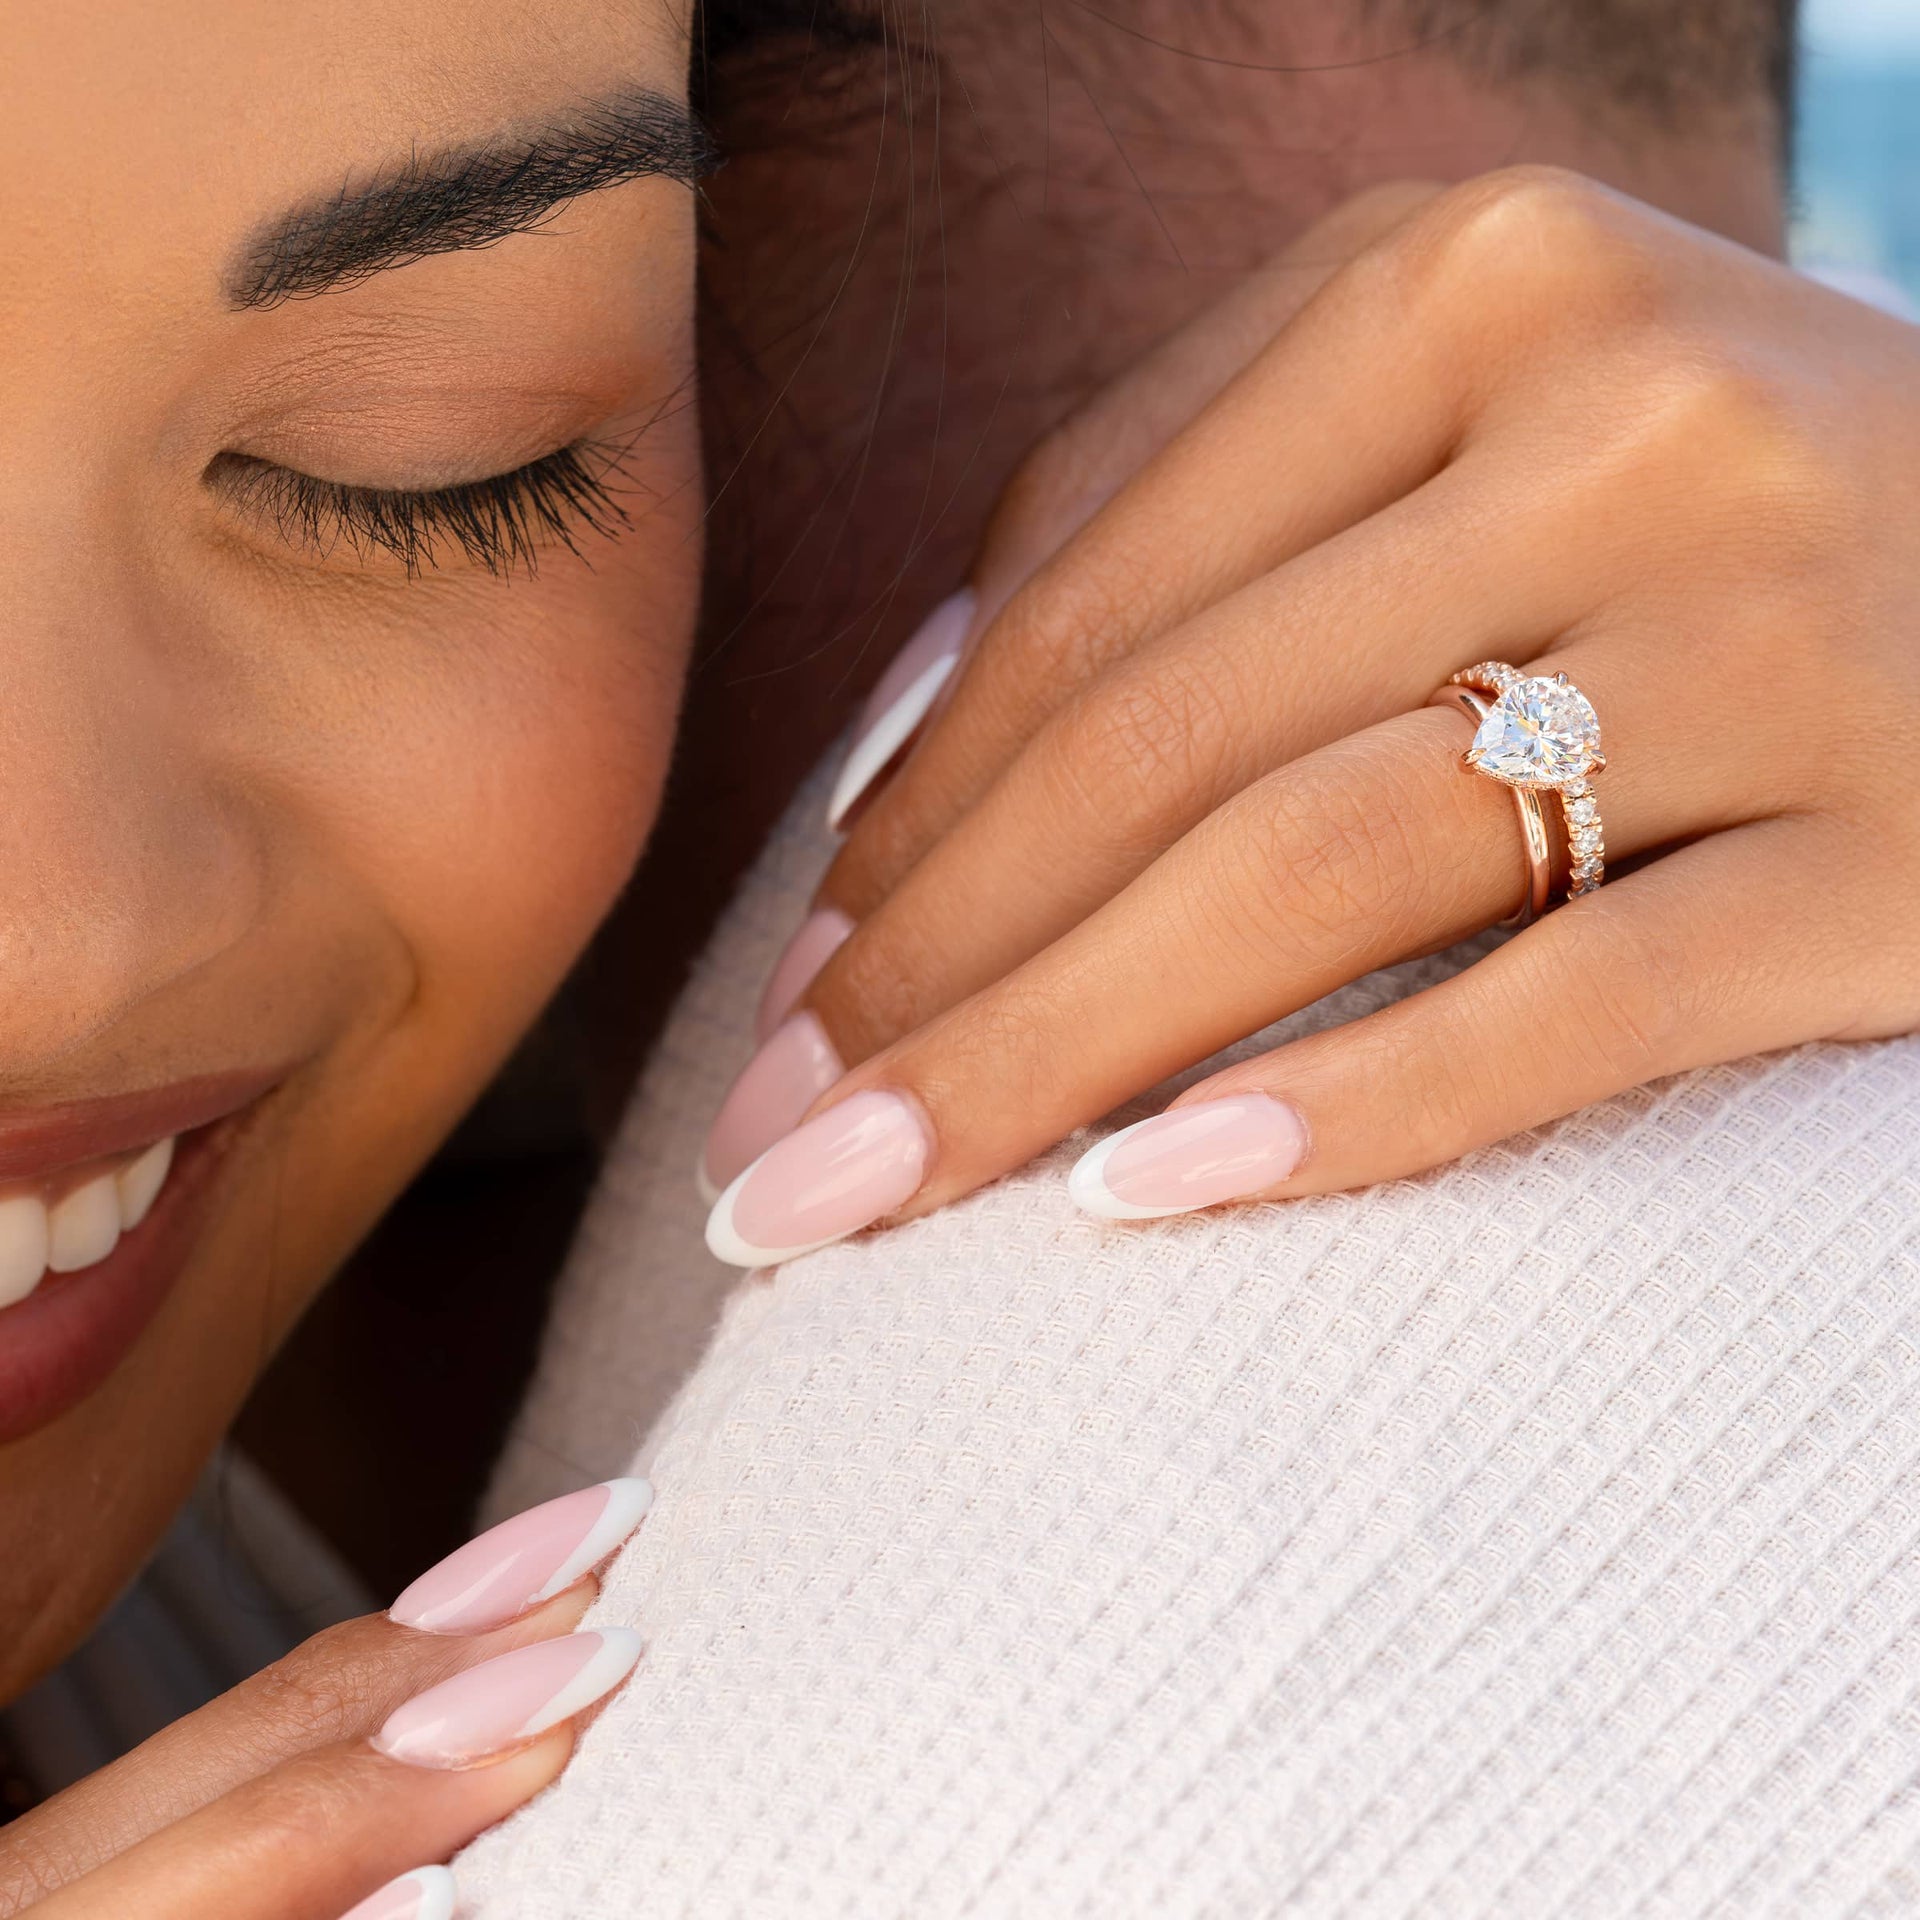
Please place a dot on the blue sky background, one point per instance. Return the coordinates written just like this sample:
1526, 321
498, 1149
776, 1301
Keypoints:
1872, 28
1858, 186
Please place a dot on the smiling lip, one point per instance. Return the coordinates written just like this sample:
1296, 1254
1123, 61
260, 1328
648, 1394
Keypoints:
65, 1337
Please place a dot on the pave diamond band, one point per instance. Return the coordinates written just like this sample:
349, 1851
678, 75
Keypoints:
1542, 735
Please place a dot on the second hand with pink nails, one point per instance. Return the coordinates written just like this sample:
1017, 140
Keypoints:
504, 1702
525, 1561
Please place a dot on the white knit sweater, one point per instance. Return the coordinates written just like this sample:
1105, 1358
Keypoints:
1538, 1538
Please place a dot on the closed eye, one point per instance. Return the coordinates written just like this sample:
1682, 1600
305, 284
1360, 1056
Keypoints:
502, 523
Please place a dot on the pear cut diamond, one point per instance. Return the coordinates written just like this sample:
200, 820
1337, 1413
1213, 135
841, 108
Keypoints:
1541, 732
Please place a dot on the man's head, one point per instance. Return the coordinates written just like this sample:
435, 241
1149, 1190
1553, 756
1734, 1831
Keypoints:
1661, 58
941, 225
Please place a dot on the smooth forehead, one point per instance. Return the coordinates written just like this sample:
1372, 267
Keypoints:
142, 140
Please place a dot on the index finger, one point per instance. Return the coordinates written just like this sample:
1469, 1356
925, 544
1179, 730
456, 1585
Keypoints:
1075, 471
325, 1829
309, 1840
523, 1581
342, 1682
1086, 460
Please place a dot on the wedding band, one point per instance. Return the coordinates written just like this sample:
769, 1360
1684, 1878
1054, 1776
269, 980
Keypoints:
1534, 847
1542, 735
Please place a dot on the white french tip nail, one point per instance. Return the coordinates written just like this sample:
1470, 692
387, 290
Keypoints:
84, 1227
23, 1246
1087, 1183
703, 1181
438, 1893
139, 1185
725, 1242
616, 1657
628, 1502
874, 750
427, 1893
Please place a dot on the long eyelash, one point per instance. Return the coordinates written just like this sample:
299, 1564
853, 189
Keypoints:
500, 523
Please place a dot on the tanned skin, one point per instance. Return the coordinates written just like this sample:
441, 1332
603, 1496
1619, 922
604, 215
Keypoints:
924, 251
935, 232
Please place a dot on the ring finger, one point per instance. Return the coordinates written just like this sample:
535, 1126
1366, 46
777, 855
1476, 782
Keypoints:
1367, 851
1172, 732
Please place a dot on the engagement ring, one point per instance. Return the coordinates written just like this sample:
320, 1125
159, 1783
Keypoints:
1541, 734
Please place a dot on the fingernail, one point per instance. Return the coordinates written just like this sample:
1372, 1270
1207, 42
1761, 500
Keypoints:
793, 973
842, 1171
780, 1083
508, 1700
523, 1561
903, 698
1190, 1157
427, 1893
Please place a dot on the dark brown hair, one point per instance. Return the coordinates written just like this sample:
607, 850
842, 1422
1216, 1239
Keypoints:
1656, 57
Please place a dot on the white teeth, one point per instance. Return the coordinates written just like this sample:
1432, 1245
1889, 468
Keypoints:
84, 1227
139, 1185
23, 1246
81, 1230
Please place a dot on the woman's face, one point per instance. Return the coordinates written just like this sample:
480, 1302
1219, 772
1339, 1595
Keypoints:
348, 549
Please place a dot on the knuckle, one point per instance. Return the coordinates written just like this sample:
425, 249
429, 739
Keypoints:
1445, 1095
1234, 916
1639, 996
1511, 206
1741, 444
869, 993
1006, 1039
313, 1807
1138, 754
1557, 214
332, 1686
31, 1872
1330, 836
1053, 478
1737, 419
1064, 625
890, 835
1734, 468
1532, 229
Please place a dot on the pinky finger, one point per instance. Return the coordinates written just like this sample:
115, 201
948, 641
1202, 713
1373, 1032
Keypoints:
1679, 965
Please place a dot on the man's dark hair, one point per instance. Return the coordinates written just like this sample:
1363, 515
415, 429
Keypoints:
1658, 57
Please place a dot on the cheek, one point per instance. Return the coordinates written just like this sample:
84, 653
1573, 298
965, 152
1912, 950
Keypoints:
485, 776
530, 790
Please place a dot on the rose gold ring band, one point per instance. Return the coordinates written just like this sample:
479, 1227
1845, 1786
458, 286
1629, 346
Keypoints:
1535, 848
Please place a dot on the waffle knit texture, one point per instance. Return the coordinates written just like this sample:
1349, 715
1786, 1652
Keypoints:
1540, 1537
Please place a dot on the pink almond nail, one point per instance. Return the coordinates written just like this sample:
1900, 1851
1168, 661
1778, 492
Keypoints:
515, 1566
821, 936
1190, 1157
843, 1170
427, 1893
508, 1700
901, 701
766, 1103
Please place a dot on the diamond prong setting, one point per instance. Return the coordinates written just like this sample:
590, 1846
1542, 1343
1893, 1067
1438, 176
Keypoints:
1542, 733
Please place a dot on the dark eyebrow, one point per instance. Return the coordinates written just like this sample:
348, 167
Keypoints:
459, 198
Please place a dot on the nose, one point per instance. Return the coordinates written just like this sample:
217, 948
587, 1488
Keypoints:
126, 863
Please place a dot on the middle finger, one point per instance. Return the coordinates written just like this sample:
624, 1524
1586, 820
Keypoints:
1363, 853
1352, 633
